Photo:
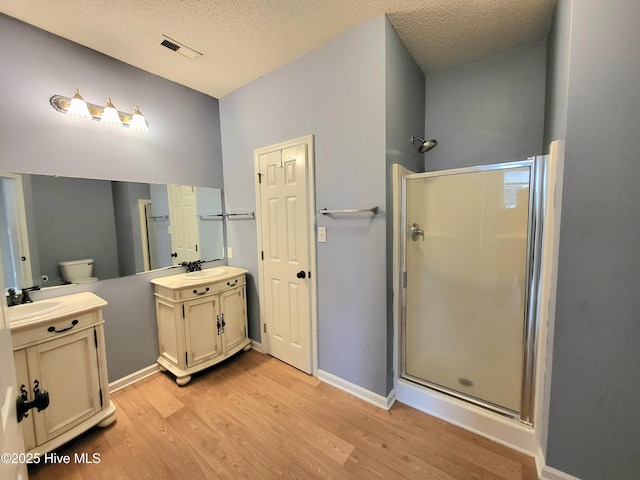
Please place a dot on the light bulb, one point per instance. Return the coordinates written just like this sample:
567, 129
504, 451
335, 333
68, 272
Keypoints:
78, 107
110, 115
138, 123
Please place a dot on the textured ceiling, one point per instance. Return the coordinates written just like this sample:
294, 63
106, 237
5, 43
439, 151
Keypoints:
242, 40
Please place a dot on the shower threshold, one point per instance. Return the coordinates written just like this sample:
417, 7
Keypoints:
469, 399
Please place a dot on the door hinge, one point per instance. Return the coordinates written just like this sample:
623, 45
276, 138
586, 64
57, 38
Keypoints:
95, 337
404, 279
196, 247
261, 254
264, 327
183, 311
186, 358
101, 401
259, 177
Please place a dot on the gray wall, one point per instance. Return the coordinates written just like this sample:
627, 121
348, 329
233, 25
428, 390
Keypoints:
404, 109
594, 420
337, 94
128, 231
74, 219
182, 147
488, 111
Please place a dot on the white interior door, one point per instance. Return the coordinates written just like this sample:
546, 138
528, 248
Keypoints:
11, 441
184, 224
287, 254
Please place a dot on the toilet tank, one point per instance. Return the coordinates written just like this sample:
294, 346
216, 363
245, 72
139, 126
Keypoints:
76, 269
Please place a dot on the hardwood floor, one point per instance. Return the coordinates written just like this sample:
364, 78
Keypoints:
255, 417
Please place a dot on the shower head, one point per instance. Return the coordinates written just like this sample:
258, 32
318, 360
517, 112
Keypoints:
425, 145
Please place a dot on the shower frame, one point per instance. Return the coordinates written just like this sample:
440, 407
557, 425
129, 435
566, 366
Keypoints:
536, 220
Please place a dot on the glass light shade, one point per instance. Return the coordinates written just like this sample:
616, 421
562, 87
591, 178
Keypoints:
110, 115
138, 123
78, 107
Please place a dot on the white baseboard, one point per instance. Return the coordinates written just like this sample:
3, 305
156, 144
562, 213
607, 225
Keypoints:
133, 378
357, 391
150, 370
550, 473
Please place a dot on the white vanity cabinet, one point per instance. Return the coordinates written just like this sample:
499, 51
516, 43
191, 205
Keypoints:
202, 319
62, 352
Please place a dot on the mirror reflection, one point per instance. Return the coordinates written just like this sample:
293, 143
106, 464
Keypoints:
61, 230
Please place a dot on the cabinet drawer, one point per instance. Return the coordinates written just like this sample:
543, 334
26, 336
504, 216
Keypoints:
49, 329
211, 288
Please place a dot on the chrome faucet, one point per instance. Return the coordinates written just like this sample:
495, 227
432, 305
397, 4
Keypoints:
416, 232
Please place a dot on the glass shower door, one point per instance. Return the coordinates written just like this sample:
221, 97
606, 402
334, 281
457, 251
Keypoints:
467, 261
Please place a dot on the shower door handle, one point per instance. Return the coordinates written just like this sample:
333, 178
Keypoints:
416, 232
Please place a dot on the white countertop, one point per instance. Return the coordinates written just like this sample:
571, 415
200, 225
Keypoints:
182, 280
55, 307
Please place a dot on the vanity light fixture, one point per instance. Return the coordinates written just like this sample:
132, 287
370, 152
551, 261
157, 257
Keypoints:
109, 115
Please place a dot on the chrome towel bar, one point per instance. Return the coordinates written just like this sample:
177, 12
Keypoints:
373, 210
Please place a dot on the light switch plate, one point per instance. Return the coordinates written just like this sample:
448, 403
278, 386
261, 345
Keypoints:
322, 234
229, 252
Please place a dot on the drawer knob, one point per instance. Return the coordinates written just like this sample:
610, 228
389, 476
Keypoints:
53, 329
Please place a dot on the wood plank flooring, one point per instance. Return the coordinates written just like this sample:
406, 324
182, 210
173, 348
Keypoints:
255, 417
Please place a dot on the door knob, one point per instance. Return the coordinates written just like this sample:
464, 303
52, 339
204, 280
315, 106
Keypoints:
301, 274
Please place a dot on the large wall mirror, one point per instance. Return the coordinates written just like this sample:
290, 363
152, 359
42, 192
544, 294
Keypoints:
48, 223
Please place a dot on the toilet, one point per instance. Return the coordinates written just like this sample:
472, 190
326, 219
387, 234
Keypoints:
77, 271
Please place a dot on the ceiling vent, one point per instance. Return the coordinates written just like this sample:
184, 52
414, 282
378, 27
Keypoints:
180, 48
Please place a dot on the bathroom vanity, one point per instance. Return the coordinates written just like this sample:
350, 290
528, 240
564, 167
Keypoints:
202, 319
58, 347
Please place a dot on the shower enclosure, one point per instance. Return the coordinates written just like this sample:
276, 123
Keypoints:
471, 260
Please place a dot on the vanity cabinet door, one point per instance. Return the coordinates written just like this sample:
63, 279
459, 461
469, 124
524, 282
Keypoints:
202, 334
234, 312
67, 368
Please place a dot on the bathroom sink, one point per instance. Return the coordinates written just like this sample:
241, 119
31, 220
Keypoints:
28, 310
208, 273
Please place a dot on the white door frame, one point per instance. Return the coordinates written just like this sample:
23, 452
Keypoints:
17, 219
143, 205
311, 215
